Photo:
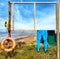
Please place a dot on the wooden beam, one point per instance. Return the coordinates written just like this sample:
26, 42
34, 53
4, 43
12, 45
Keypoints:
57, 28
9, 27
24, 30
57, 17
33, 2
12, 16
34, 16
9, 19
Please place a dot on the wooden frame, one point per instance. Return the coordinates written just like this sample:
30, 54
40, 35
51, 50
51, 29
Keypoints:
57, 18
12, 3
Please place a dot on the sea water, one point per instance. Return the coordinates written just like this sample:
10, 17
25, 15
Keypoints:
5, 34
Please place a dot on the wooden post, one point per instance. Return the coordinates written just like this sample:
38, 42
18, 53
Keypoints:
8, 55
9, 27
9, 20
57, 28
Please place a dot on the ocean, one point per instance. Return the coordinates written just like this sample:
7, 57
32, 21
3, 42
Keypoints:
14, 34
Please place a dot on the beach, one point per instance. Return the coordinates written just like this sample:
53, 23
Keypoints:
27, 38
16, 35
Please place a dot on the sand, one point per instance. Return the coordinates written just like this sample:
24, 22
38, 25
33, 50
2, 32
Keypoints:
27, 39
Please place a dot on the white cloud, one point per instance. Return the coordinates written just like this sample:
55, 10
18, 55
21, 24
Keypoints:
20, 21
20, 11
18, 16
46, 18
46, 23
1, 4
2, 23
22, 26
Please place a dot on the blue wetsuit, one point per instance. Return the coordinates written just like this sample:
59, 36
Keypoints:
40, 34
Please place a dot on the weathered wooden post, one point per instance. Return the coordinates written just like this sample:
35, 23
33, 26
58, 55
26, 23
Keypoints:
9, 27
9, 20
11, 42
57, 27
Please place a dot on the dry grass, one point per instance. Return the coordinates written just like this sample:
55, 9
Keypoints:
28, 51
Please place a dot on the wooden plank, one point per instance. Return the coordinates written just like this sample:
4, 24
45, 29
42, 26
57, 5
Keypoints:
24, 30
33, 2
12, 16
34, 16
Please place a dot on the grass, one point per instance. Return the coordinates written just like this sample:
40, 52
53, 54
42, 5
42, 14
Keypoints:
28, 51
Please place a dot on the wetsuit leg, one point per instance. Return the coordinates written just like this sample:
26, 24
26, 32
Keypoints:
38, 41
45, 36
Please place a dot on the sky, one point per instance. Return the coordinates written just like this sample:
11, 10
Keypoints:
24, 15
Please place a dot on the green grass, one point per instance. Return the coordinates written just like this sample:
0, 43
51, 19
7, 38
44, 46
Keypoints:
28, 51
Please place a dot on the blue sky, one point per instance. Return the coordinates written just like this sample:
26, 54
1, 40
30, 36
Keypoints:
24, 15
